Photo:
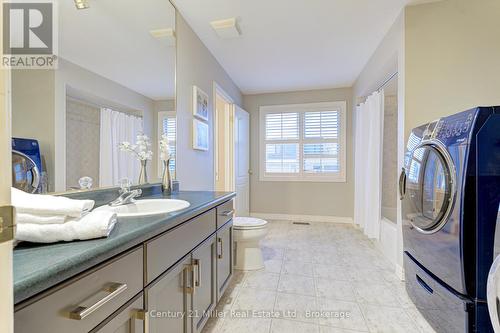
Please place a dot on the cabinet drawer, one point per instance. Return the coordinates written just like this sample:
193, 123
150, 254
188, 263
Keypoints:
225, 212
83, 303
130, 319
166, 250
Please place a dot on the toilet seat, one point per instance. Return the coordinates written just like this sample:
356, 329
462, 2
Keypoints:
246, 223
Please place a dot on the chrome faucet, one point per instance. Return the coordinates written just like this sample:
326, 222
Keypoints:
127, 196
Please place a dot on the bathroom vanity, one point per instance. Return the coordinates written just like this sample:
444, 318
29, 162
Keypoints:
161, 273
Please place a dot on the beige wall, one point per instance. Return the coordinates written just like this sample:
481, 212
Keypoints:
196, 66
452, 58
299, 198
33, 105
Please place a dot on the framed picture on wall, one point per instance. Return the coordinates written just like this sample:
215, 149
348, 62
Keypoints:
200, 135
200, 103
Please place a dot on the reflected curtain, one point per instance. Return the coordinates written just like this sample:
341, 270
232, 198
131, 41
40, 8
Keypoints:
114, 164
369, 123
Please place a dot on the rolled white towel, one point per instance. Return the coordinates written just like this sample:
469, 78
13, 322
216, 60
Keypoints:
93, 225
49, 205
22, 218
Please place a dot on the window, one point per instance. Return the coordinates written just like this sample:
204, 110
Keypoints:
303, 142
167, 124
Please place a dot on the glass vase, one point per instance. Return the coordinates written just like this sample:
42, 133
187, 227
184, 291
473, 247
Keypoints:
143, 175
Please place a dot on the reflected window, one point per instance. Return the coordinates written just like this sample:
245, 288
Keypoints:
167, 122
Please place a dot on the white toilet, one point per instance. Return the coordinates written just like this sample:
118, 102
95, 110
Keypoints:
248, 232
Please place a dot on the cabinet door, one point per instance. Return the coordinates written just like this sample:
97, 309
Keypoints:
167, 300
129, 320
224, 258
205, 294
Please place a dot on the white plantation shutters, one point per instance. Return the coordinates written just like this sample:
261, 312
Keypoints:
321, 144
169, 128
303, 142
167, 124
282, 142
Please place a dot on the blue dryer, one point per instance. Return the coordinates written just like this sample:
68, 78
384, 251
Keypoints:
26, 165
450, 188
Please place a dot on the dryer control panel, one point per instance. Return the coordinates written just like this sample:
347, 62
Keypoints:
455, 129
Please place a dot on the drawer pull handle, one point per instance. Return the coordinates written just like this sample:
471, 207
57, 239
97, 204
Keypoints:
188, 272
424, 285
227, 213
114, 289
221, 253
197, 263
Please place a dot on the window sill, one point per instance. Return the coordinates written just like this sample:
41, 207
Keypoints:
300, 179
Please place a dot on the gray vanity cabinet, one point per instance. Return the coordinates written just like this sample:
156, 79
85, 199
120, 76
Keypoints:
168, 300
224, 257
204, 275
170, 283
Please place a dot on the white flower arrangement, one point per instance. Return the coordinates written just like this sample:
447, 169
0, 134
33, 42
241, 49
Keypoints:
141, 149
164, 148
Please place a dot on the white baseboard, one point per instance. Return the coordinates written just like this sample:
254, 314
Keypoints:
303, 218
400, 272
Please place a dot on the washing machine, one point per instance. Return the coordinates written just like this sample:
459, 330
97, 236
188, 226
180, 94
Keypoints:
450, 191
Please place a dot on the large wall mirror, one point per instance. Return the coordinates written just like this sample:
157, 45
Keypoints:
115, 80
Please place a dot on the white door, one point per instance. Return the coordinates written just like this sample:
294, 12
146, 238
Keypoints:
242, 160
6, 288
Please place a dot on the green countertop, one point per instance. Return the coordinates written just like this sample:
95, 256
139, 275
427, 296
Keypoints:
39, 267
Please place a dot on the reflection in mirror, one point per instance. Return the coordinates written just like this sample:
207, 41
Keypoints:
115, 80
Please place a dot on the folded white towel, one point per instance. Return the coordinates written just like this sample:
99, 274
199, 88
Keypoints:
22, 218
49, 205
93, 225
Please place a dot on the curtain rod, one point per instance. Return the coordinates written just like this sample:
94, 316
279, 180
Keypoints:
386, 81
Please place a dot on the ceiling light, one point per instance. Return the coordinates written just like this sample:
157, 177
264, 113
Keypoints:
167, 35
226, 28
82, 4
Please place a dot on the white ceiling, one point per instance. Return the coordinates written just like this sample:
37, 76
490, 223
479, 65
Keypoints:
112, 39
293, 44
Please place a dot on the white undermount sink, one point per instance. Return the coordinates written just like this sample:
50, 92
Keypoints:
147, 207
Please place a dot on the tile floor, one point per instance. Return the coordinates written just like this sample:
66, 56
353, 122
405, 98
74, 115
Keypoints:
322, 278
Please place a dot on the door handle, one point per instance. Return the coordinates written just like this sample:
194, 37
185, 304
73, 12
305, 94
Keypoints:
402, 184
188, 272
221, 253
197, 264
114, 289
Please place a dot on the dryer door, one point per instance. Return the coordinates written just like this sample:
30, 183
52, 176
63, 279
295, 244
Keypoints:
430, 187
493, 294
25, 173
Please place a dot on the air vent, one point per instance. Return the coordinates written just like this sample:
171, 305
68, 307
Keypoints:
302, 223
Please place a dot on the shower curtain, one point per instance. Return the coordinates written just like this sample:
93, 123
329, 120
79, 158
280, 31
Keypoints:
114, 164
369, 123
